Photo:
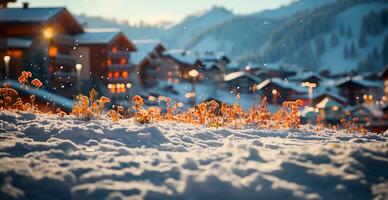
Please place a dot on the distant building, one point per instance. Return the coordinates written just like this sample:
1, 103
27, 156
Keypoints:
105, 55
241, 81
357, 91
310, 77
177, 64
149, 59
277, 90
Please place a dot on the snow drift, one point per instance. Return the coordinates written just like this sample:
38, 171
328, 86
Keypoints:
51, 157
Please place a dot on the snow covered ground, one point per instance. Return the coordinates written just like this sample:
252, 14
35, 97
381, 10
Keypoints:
51, 157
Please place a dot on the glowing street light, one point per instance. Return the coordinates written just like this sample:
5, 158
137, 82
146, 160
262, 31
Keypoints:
6, 61
310, 87
78, 67
193, 74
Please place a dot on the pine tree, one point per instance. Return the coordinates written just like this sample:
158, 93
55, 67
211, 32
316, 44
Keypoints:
320, 45
334, 40
353, 52
376, 54
346, 51
362, 41
342, 29
349, 33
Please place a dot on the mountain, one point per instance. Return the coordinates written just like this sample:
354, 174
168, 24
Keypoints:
179, 36
244, 36
343, 36
335, 35
291, 9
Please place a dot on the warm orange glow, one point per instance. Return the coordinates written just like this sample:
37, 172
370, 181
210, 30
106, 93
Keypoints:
110, 75
109, 62
14, 53
53, 51
123, 61
48, 32
114, 49
124, 74
116, 74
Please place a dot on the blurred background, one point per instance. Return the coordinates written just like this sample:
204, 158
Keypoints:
332, 54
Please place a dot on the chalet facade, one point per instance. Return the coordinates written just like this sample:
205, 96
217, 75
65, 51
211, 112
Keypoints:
105, 56
37, 38
148, 59
241, 81
52, 44
277, 90
358, 91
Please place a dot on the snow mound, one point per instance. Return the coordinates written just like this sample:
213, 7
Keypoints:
51, 157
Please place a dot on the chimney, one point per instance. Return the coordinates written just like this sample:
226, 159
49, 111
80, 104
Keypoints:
25, 5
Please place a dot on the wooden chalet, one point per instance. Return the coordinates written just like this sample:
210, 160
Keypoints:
38, 36
105, 56
241, 81
278, 90
358, 91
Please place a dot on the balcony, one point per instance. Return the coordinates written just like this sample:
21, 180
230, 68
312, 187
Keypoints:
118, 54
65, 60
115, 67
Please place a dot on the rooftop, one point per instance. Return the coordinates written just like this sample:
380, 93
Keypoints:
29, 14
96, 36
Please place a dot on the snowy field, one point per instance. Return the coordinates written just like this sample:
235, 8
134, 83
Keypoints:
52, 157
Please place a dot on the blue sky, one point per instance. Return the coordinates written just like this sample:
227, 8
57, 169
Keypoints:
153, 11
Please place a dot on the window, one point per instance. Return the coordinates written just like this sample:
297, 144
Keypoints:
124, 74
53, 51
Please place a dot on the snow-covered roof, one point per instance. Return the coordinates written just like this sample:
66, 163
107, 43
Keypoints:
16, 43
304, 76
211, 56
331, 94
328, 102
29, 14
283, 84
144, 48
42, 94
183, 56
359, 81
96, 36
239, 74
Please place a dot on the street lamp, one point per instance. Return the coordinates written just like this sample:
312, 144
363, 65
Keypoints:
193, 74
78, 67
6, 61
310, 87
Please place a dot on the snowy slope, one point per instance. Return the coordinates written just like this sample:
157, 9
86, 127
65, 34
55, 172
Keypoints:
333, 59
292, 8
235, 37
50, 157
179, 35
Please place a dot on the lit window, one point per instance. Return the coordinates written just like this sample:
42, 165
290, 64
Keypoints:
110, 75
122, 61
53, 51
125, 74
109, 62
116, 74
114, 49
